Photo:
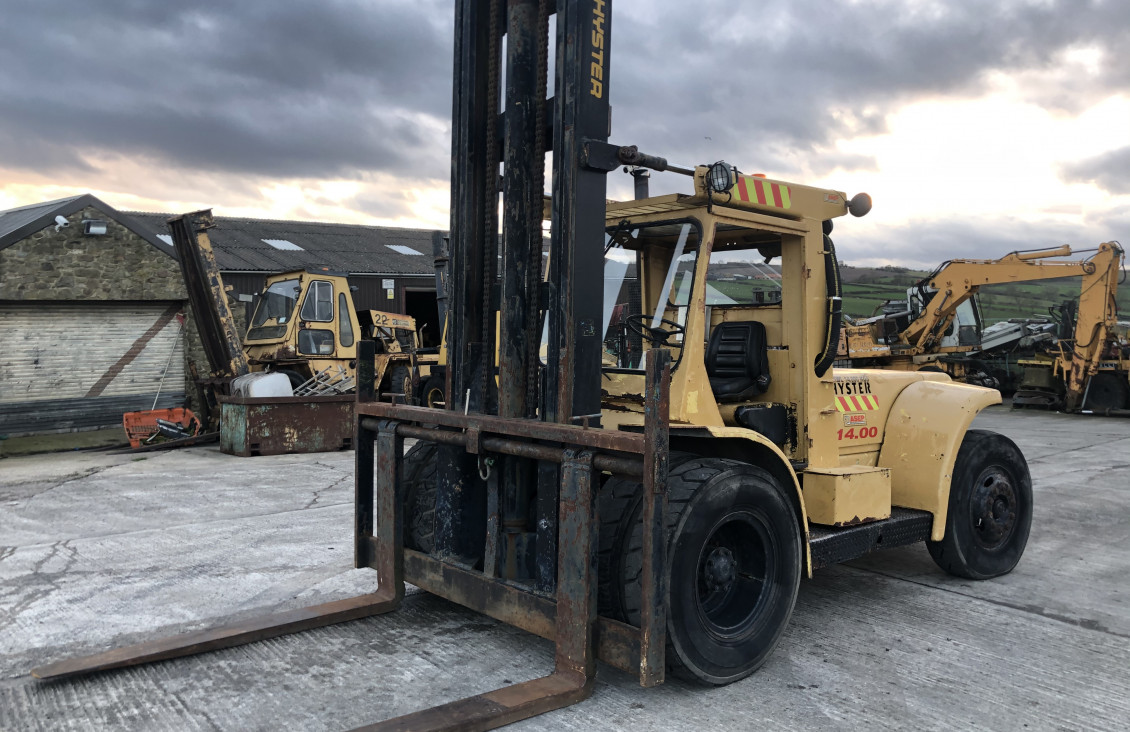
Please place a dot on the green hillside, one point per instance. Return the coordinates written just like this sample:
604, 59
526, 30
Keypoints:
865, 289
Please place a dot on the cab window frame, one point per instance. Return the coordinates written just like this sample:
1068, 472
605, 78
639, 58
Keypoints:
312, 300
697, 230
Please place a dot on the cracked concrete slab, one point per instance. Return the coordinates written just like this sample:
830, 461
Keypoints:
98, 551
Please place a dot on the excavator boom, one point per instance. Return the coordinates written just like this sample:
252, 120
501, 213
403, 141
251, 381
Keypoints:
955, 281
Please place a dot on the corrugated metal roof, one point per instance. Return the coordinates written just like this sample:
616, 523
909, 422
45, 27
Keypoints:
16, 218
17, 223
242, 245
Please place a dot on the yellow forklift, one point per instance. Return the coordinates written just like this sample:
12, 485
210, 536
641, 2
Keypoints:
658, 509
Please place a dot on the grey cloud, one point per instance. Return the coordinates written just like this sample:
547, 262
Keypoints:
829, 162
276, 89
925, 244
1116, 222
755, 80
345, 88
385, 204
1109, 171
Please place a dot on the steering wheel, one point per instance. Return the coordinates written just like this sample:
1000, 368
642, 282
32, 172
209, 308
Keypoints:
638, 324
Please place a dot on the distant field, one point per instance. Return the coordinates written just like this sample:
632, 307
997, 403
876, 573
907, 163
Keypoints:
743, 291
865, 289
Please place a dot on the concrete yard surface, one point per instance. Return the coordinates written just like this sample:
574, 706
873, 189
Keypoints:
99, 550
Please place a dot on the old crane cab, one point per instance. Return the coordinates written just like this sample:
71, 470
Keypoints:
305, 325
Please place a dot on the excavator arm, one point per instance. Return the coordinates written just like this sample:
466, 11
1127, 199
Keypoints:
1097, 314
957, 280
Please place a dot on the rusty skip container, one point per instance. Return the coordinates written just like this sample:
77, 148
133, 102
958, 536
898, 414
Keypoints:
280, 425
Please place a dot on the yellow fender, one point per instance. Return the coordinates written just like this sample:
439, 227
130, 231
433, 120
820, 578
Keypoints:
925, 426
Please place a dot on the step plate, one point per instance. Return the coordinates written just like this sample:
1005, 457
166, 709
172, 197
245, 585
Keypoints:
835, 545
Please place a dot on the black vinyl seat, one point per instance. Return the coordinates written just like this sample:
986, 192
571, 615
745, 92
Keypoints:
737, 361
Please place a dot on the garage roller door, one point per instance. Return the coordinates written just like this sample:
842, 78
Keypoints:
69, 366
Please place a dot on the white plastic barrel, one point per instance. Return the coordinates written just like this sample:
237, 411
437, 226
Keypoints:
262, 384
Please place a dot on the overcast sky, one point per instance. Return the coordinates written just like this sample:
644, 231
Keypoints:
978, 126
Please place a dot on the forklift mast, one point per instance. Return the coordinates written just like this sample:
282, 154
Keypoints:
503, 292
529, 126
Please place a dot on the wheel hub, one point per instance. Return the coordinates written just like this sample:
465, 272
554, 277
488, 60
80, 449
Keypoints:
720, 570
993, 507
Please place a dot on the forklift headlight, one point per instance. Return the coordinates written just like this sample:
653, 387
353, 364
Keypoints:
720, 177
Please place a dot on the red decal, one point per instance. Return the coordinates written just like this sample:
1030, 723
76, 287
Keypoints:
742, 192
777, 196
856, 403
759, 188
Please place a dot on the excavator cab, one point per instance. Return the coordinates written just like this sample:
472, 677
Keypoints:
961, 333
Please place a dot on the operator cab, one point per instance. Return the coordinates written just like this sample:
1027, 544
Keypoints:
736, 305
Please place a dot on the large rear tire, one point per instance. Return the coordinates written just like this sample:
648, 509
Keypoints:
990, 509
734, 558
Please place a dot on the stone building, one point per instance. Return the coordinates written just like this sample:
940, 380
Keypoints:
93, 317
94, 312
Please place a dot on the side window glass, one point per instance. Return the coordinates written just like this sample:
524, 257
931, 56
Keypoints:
627, 317
345, 329
313, 342
318, 305
741, 277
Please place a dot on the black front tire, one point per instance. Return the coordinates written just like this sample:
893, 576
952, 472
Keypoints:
296, 379
419, 483
432, 395
734, 557
400, 382
990, 509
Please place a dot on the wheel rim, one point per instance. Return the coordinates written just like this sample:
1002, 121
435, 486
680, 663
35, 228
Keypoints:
434, 397
735, 574
994, 508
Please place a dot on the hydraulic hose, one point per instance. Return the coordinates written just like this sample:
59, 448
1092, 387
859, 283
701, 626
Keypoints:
835, 308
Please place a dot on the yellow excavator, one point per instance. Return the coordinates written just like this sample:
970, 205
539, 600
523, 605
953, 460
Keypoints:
939, 324
1087, 369
304, 325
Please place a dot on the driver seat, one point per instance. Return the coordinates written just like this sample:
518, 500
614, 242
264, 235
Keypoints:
737, 361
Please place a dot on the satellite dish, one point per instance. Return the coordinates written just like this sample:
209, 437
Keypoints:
61, 222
